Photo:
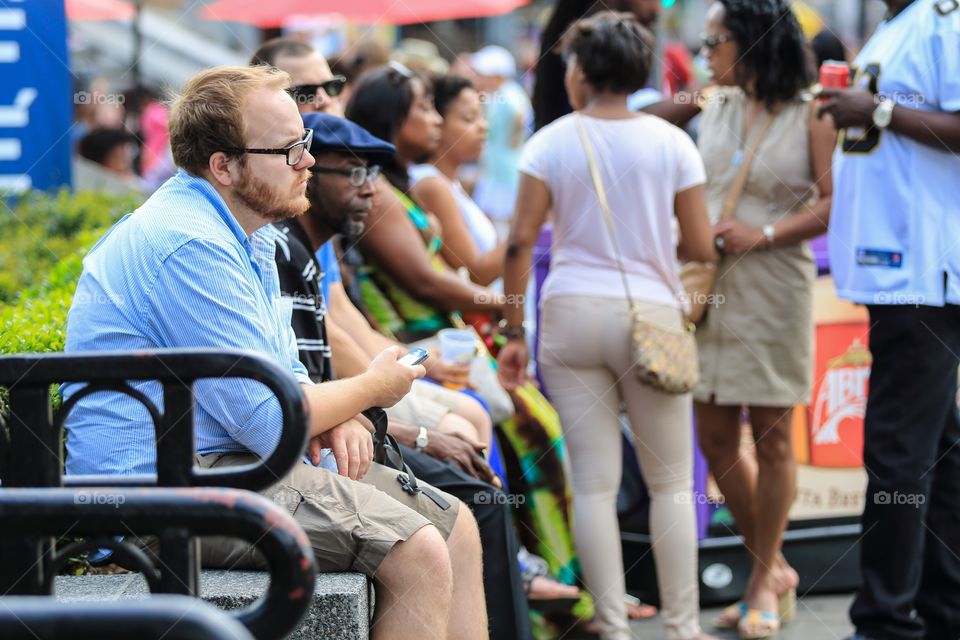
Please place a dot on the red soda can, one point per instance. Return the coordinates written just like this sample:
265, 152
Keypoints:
834, 75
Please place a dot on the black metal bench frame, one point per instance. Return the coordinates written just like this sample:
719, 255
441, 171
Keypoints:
177, 504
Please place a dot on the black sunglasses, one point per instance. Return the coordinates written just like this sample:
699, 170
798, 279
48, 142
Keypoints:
712, 42
294, 152
304, 93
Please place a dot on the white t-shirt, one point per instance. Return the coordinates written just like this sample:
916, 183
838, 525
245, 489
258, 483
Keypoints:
481, 228
895, 222
644, 162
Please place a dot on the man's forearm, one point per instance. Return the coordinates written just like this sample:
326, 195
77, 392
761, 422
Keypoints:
933, 128
333, 403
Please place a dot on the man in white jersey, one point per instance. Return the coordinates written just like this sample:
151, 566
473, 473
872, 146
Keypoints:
895, 246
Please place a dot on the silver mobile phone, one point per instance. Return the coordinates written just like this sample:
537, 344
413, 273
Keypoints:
414, 356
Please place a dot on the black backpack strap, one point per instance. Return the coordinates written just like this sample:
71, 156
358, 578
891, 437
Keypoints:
386, 451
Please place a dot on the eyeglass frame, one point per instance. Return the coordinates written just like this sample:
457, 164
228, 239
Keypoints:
369, 172
285, 151
711, 42
339, 81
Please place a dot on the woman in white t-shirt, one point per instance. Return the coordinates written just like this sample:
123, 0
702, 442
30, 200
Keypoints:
654, 178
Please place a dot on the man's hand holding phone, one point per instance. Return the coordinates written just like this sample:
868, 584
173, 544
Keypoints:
392, 377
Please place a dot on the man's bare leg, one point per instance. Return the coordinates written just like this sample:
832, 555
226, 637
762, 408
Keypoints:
414, 586
468, 613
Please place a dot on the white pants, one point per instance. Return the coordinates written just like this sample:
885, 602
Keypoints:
585, 361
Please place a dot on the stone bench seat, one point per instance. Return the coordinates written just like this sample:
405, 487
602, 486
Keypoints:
341, 610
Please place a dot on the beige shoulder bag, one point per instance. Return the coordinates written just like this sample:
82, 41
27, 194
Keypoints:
665, 358
699, 278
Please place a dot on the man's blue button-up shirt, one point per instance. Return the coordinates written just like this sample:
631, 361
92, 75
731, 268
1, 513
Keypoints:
178, 272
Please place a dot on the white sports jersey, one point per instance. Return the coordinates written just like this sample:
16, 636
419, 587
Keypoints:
895, 221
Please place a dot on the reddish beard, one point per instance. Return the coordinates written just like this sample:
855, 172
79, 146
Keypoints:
267, 201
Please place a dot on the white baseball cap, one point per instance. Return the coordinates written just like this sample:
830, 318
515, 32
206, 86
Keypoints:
494, 61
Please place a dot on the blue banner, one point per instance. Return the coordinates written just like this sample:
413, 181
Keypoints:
35, 96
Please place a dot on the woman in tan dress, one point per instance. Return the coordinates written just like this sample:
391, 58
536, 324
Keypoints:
756, 342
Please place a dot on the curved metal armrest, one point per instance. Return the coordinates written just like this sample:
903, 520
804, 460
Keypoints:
29, 377
163, 617
199, 511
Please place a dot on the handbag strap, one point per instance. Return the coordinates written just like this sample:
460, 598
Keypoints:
740, 181
604, 205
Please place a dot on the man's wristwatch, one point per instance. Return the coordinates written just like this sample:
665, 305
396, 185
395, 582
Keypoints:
883, 114
423, 439
770, 234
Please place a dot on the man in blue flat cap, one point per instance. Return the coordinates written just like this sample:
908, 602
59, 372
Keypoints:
341, 189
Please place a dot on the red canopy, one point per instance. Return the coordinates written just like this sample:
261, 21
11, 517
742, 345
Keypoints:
99, 10
273, 13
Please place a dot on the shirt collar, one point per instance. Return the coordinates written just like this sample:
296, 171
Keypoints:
205, 189
260, 245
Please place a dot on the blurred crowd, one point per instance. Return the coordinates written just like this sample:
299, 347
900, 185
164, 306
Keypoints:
435, 180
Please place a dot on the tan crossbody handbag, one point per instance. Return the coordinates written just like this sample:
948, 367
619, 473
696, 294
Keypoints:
664, 358
699, 278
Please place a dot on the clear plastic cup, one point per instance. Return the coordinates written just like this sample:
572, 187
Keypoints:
457, 346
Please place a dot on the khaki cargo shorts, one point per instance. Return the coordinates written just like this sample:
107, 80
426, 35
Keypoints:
351, 525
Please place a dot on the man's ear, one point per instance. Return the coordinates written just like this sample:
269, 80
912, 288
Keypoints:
222, 168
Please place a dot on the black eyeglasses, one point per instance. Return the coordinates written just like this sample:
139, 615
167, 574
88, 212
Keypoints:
358, 175
306, 93
294, 152
712, 42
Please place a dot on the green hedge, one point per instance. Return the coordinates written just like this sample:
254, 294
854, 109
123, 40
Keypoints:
42, 243
41, 229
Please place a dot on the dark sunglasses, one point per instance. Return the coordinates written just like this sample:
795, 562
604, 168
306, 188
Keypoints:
294, 152
357, 175
712, 42
304, 93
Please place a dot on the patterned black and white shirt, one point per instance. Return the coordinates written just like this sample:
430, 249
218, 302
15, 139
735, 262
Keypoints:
300, 280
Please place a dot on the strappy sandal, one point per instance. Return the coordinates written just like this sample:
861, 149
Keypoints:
730, 617
758, 625
533, 567
637, 609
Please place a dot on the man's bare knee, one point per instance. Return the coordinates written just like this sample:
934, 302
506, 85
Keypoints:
423, 553
465, 528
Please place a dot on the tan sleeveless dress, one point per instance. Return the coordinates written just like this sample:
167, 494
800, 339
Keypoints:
756, 347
